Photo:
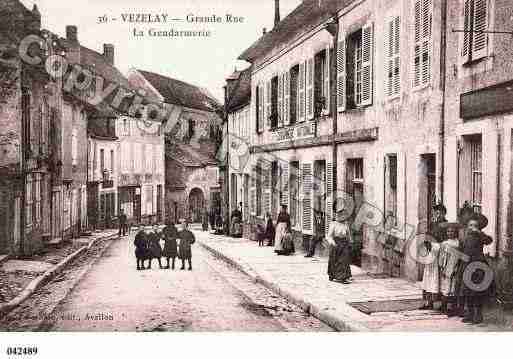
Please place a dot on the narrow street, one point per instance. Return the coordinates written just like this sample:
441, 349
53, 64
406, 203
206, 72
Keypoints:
114, 296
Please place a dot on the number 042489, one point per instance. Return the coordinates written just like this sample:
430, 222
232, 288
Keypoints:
15, 351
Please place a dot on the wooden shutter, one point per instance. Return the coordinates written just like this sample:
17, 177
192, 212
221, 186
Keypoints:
260, 102
467, 27
393, 69
280, 99
480, 23
417, 57
422, 49
267, 197
286, 99
301, 92
285, 179
367, 55
426, 41
310, 88
327, 69
267, 105
307, 198
252, 191
330, 196
341, 72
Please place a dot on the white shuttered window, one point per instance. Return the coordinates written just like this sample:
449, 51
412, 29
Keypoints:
423, 13
475, 41
393, 63
341, 72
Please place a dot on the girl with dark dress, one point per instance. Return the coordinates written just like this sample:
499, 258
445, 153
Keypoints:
141, 252
473, 289
154, 247
339, 240
184, 249
170, 235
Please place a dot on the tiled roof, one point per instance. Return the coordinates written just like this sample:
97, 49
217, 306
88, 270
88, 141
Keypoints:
181, 93
188, 155
240, 91
306, 16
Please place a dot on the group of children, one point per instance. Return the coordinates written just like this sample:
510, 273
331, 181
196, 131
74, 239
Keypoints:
176, 244
457, 272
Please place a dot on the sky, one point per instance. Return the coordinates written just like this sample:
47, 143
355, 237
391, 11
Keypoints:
204, 62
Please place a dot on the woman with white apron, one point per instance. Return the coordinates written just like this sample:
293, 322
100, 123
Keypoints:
282, 224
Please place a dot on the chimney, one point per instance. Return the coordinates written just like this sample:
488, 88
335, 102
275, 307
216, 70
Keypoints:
108, 53
264, 31
276, 12
71, 33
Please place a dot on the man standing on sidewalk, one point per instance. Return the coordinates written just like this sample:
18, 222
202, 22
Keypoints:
318, 235
122, 223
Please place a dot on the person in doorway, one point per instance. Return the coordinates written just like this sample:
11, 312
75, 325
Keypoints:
187, 239
318, 235
155, 250
339, 240
448, 261
282, 226
270, 231
170, 250
473, 283
141, 253
122, 223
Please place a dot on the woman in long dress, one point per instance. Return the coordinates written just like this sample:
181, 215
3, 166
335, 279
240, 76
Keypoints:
282, 225
339, 240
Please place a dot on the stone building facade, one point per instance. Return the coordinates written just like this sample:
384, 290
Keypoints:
479, 120
352, 103
192, 133
29, 136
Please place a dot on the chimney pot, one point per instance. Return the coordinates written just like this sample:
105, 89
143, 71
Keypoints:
71, 33
108, 53
276, 12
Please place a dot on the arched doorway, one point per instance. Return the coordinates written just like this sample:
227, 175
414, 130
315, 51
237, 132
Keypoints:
196, 204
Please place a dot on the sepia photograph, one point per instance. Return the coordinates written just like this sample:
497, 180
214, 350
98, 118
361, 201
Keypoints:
270, 166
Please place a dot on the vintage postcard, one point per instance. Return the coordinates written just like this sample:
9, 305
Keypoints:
255, 166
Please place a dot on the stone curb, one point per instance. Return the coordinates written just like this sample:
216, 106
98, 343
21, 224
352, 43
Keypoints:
40, 326
5, 259
45, 277
335, 321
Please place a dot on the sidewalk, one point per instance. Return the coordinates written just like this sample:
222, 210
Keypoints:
20, 277
387, 304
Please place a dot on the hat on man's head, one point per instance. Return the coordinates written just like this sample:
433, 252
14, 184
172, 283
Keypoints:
481, 219
440, 207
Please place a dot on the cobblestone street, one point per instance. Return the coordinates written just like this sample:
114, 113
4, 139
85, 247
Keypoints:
114, 296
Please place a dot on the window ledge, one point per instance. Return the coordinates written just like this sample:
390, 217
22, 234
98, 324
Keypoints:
392, 98
470, 63
421, 87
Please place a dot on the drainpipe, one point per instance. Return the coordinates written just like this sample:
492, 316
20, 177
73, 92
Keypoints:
443, 72
334, 28
24, 154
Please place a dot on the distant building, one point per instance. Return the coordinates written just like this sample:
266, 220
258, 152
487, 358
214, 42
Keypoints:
125, 157
192, 135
